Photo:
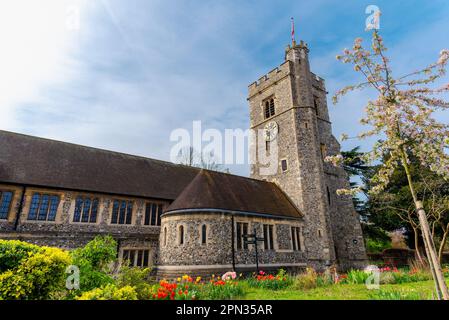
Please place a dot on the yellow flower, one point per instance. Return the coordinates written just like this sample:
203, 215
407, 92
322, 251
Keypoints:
198, 279
179, 279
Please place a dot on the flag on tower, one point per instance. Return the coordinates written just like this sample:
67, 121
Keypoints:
293, 30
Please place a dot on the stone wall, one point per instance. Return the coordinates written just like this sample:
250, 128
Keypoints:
298, 143
65, 233
331, 226
216, 255
345, 223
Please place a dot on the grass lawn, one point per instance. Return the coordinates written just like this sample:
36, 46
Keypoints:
339, 292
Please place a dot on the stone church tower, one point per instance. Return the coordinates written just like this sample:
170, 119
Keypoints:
288, 105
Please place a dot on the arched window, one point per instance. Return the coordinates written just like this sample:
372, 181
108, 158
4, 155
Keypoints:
165, 236
203, 234
269, 108
181, 234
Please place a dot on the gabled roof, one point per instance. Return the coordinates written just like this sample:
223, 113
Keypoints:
215, 190
42, 162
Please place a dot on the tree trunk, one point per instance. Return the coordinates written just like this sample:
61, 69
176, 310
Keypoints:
442, 245
433, 259
435, 266
416, 237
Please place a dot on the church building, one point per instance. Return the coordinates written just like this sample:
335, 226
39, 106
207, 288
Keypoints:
185, 220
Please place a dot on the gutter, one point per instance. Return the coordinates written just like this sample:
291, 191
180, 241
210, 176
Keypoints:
20, 208
232, 212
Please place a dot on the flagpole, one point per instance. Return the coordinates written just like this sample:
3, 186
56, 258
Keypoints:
293, 31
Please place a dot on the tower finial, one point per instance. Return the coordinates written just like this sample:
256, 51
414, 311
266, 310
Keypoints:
293, 32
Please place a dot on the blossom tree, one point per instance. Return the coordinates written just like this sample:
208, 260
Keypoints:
403, 116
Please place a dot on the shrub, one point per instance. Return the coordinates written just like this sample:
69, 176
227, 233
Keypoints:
377, 245
387, 278
109, 292
13, 252
36, 277
271, 282
136, 278
93, 261
307, 280
100, 252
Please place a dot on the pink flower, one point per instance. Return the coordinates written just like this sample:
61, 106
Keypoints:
229, 275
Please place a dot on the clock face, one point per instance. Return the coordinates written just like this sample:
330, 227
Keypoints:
271, 131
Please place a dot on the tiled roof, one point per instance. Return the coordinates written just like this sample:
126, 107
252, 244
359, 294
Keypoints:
216, 190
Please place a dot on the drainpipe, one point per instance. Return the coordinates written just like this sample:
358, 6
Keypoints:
232, 243
19, 209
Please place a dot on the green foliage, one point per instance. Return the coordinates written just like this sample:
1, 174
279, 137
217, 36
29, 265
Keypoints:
13, 252
407, 277
397, 295
37, 276
227, 291
377, 245
388, 277
110, 292
271, 282
136, 278
93, 261
357, 276
308, 280
100, 252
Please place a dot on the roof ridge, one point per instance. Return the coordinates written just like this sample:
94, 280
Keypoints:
98, 149
238, 176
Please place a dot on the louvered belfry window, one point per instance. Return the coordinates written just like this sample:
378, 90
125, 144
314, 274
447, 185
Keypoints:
269, 108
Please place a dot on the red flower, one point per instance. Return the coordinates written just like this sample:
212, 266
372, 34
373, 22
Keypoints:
219, 283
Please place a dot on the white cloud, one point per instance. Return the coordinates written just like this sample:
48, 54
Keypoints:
34, 37
136, 70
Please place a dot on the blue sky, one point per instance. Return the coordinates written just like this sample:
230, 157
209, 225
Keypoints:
136, 70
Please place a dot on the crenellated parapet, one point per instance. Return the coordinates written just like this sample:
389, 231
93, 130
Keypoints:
317, 81
271, 77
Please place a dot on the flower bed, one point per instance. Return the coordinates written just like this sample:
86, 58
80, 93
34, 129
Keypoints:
269, 281
183, 289
387, 275
186, 288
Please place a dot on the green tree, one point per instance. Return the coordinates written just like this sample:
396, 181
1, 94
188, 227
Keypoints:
376, 239
402, 114
95, 262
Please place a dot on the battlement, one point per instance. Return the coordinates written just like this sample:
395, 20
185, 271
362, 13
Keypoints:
317, 81
271, 77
